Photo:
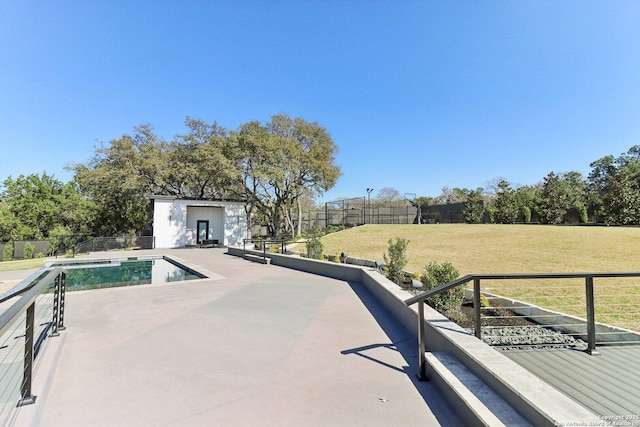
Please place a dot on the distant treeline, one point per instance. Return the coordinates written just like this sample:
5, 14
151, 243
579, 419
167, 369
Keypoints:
609, 194
277, 168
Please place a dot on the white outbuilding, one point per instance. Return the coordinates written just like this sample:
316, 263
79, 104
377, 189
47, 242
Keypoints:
182, 222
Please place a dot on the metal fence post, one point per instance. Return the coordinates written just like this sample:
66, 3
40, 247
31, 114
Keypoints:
591, 317
63, 282
25, 389
56, 308
477, 320
422, 348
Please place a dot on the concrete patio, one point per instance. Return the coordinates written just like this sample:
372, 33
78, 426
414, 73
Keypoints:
251, 345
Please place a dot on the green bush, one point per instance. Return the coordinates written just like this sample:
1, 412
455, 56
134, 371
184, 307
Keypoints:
484, 301
435, 274
314, 245
28, 250
456, 314
69, 253
397, 260
274, 248
7, 254
39, 255
335, 228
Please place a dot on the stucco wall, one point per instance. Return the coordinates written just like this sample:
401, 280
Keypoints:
175, 220
168, 223
235, 224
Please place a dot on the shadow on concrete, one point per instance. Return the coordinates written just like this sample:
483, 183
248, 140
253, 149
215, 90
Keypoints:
406, 343
359, 351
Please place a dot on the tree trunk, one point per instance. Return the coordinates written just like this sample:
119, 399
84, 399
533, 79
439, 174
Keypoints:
299, 230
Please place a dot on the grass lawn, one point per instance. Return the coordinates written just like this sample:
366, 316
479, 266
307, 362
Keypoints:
485, 248
22, 263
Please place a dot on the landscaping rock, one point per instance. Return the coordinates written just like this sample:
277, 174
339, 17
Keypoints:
529, 338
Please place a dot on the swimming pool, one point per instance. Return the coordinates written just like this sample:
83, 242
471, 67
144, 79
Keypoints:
111, 273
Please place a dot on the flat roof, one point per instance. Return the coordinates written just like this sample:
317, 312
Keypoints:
187, 199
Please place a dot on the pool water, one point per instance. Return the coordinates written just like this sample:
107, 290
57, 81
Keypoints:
133, 272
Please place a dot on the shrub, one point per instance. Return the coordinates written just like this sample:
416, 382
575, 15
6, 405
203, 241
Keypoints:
456, 314
435, 274
273, 248
484, 301
7, 254
314, 245
333, 228
39, 255
397, 259
69, 253
28, 250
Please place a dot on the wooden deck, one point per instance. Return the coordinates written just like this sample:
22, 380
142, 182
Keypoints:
608, 384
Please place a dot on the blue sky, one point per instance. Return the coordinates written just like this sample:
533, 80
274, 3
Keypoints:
417, 95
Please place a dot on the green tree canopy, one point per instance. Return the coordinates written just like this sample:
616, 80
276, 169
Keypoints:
505, 203
272, 166
119, 178
474, 206
616, 182
34, 206
559, 193
282, 161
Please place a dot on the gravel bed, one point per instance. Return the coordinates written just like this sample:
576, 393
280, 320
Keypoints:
529, 338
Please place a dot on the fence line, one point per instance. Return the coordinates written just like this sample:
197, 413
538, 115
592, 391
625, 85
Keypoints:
75, 244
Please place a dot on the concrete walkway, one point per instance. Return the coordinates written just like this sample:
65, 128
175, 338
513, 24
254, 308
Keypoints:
252, 345
8, 279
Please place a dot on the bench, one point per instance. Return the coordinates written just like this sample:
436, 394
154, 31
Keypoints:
209, 243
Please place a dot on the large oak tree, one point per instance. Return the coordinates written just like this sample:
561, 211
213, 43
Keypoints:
271, 166
282, 161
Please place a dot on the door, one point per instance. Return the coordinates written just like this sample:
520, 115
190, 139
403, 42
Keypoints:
203, 231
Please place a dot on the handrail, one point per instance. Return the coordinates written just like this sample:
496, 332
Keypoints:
590, 307
265, 242
26, 304
29, 294
439, 289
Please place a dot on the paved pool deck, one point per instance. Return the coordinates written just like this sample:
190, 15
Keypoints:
252, 345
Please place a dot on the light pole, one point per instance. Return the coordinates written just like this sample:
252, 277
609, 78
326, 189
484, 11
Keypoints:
369, 190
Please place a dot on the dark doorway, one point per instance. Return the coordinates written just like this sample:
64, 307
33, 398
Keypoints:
203, 231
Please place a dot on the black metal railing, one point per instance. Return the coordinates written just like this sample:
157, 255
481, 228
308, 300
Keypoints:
35, 312
263, 244
422, 298
94, 244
